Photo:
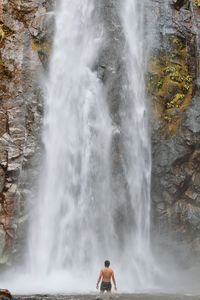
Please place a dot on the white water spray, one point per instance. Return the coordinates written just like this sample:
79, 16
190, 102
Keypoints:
83, 214
75, 184
80, 221
136, 140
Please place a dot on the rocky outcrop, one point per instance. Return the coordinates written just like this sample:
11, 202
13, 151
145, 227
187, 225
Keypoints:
22, 40
173, 84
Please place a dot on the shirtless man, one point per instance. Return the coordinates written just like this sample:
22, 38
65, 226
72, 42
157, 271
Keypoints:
106, 274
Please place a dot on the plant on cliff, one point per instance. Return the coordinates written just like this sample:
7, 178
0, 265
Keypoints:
170, 83
178, 43
197, 3
43, 47
4, 31
176, 101
2, 34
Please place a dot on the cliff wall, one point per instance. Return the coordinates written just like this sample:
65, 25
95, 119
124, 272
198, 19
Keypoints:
22, 47
173, 83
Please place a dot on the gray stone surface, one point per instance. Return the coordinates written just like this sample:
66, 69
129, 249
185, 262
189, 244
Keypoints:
113, 296
20, 115
176, 156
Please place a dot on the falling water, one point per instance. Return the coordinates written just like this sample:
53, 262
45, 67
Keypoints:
136, 140
75, 184
86, 212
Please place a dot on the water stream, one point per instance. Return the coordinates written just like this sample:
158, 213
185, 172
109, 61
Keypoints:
82, 216
86, 212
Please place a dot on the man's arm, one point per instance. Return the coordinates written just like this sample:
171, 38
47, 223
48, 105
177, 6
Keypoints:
113, 279
99, 279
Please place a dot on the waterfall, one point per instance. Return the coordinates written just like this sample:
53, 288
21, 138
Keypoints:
89, 210
75, 182
83, 216
136, 140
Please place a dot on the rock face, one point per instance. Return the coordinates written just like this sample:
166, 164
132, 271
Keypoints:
22, 44
173, 83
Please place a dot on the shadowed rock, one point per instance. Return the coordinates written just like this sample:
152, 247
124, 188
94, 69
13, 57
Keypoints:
5, 294
179, 3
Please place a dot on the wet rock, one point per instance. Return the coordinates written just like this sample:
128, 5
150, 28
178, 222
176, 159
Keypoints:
193, 216
20, 118
160, 206
3, 123
196, 179
192, 121
196, 246
178, 4
5, 294
172, 82
2, 179
167, 197
2, 241
136, 296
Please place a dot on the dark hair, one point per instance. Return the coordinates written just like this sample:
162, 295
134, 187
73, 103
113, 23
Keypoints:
106, 263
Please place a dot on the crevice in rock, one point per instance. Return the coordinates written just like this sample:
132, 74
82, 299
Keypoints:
178, 4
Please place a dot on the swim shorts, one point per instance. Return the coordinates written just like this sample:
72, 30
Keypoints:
105, 286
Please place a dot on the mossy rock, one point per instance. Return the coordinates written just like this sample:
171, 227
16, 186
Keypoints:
178, 43
197, 3
170, 84
176, 101
4, 32
43, 47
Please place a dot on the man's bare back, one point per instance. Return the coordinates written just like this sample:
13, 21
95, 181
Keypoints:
105, 276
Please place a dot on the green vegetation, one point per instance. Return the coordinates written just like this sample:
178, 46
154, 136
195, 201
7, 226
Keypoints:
44, 46
2, 34
197, 3
178, 43
176, 101
170, 84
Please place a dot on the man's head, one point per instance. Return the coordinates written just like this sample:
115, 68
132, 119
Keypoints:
106, 263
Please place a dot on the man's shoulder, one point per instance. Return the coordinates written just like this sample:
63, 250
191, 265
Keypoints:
110, 270
106, 270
